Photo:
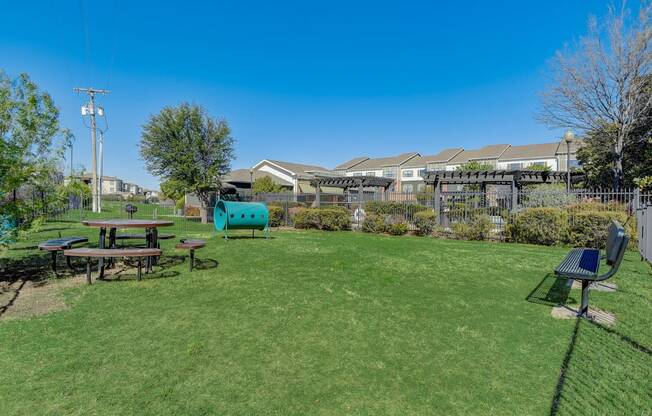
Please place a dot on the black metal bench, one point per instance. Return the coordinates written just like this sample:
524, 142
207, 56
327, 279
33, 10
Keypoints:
583, 264
111, 253
60, 244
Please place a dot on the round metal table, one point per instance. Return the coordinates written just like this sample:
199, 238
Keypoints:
151, 233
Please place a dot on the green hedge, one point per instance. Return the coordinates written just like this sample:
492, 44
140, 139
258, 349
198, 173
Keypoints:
425, 222
577, 226
392, 208
373, 223
398, 228
329, 219
276, 215
546, 226
590, 228
479, 228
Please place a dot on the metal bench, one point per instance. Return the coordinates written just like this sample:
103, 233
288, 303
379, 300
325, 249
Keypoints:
60, 244
191, 245
583, 264
112, 252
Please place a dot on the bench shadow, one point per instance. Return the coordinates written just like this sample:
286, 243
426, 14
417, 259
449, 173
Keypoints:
248, 237
551, 291
572, 391
205, 264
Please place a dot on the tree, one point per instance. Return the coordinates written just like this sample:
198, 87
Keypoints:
474, 165
188, 146
265, 185
29, 129
602, 86
173, 189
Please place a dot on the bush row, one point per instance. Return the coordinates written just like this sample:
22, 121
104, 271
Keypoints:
329, 219
554, 226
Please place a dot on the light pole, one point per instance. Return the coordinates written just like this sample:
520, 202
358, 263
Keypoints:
251, 183
569, 136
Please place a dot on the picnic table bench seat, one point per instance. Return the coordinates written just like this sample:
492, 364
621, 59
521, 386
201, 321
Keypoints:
112, 252
583, 264
142, 236
191, 246
60, 244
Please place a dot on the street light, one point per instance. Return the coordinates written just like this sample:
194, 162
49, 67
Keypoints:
569, 136
251, 183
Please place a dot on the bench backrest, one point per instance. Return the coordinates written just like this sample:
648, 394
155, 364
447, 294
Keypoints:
616, 243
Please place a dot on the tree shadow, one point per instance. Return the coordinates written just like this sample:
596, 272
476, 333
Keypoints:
551, 291
16, 274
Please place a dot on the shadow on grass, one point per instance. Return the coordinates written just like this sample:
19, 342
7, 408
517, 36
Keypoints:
16, 273
551, 291
603, 371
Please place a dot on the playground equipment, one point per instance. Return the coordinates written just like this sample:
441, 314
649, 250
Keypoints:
231, 215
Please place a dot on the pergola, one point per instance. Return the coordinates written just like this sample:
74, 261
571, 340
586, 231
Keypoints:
514, 178
348, 182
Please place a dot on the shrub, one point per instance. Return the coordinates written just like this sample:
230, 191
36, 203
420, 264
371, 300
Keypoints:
398, 228
425, 222
392, 208
479, 228
547, 195
276, 215
334, 219
328, 219
546, 226
590, 228
306, 218
374, 224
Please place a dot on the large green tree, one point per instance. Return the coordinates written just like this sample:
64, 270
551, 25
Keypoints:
185, 144
29, 139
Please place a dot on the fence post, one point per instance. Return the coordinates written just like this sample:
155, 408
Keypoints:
637, 199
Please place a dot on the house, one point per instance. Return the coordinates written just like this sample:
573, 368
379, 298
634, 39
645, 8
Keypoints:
388, 167
297, 176
239, 180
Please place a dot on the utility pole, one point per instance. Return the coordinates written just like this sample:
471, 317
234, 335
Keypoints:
99, 191
90, 110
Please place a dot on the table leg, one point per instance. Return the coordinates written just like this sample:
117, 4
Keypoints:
112, 233
148, 239
154, 244
100, 264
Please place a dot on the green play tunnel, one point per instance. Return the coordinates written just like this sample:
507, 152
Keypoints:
230, 215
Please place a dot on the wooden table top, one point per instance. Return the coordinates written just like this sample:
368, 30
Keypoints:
127, 223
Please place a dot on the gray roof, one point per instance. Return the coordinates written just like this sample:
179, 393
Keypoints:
243, 176
380, 162
302, 171
351, 163
492, 151
441, 157
531, 151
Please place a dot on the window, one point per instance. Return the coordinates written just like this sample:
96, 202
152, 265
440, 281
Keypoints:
408, 173
408, 187
357, 174
514, 166
421, 173
538, 164
436, 166
389, 172
371, 173
574, 164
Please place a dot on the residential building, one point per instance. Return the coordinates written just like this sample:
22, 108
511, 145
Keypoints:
486, 155
412, 170
388, 167
297, 175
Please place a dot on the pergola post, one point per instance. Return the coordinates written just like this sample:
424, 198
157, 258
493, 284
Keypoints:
360, 193
318, 194
437, 202
514, 196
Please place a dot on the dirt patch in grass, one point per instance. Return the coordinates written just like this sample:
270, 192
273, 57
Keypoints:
24, 298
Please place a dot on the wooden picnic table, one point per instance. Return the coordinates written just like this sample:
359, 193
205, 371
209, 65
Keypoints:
151, 233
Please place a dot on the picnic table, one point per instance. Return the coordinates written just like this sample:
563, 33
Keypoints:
151, 233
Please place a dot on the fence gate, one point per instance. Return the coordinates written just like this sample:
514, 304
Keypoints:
644, 229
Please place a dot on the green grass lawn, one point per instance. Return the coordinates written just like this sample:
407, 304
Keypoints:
330, 324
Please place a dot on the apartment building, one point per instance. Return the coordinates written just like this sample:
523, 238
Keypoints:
407, 168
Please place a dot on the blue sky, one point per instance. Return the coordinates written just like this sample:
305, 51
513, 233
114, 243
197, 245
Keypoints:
316, 82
